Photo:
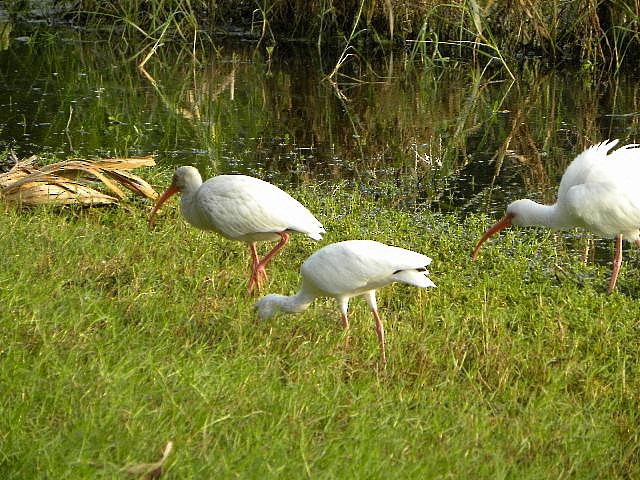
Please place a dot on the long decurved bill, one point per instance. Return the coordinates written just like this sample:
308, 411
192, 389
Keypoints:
503, 223
172, 190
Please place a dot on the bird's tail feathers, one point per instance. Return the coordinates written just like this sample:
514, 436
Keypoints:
317, 235
414, 277
605, 145
629, 146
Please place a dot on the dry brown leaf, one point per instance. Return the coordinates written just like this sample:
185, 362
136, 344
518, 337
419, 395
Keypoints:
66, 169
19, 170
68, 182
124, 163
58, 192
150, 470
133, 183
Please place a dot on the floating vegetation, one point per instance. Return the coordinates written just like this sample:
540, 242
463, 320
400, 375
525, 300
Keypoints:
74, 182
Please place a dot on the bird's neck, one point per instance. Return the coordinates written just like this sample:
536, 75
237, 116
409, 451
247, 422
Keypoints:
552, 216
295, 303
191, 187
188, 204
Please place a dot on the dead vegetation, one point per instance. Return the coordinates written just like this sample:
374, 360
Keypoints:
75, 182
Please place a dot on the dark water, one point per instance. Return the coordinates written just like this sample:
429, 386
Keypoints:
450, 137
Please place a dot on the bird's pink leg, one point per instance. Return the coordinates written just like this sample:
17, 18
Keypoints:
259, 273
284, 239
343, 303
254, 256
257, 276
380, 332
617, 262
345, 321
344, 309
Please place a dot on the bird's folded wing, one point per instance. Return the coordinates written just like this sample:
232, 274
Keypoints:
604, 207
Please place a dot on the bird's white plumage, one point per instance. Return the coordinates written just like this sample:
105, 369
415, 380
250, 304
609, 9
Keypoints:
243, 208
356, 266
598, 192
345, 269
602, 191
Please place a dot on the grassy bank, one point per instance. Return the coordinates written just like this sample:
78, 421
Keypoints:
117, 339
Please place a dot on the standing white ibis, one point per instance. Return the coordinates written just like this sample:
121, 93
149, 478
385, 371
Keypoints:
242, 208
599, 192
346, 269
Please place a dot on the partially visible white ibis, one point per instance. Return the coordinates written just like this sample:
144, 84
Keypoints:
346, 269
242, 208
599, 192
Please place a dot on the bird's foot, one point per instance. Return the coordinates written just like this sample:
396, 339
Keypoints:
257, 279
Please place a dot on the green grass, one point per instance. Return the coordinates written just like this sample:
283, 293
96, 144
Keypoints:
116, 339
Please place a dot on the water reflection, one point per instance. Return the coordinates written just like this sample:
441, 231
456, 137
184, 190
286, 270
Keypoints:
453, 138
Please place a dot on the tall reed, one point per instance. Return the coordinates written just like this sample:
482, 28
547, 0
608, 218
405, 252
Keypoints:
591, 33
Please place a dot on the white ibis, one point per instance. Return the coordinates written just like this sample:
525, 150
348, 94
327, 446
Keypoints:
599, 192
241, 208
347, 269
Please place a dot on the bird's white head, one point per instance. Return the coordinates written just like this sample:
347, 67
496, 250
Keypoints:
268, 305
522, 212
184, 179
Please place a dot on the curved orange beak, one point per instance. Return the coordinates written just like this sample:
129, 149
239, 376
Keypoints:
172, 190
503, 223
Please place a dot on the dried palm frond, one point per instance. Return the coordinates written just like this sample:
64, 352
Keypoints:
82, 171
40, 188
73, 181
133, 183
21, 169
124, 163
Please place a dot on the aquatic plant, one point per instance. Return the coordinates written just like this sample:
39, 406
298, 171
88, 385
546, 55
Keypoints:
584, 32
589, 33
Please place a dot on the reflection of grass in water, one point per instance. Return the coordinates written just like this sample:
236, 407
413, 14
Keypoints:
455, 135
117, 339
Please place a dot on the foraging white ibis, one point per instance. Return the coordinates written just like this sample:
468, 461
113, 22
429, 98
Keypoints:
599, 192
346, 269
243, 208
